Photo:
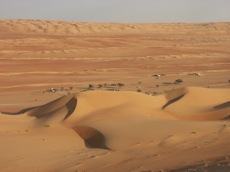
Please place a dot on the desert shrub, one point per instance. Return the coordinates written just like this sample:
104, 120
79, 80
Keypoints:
100, 85
90, 87
120, 84
177, 81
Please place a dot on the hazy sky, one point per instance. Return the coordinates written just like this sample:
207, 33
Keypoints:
150, 11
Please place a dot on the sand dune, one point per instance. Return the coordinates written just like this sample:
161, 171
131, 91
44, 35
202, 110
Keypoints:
134, 127
200, 104
186, 102
136, 116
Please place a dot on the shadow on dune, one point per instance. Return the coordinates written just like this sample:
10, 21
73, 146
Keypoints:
92, 137
223, 105
174, 95
19, 112
30, 108
172, 101
49, 109
71, 106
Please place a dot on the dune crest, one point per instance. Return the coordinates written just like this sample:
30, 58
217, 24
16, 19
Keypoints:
190, 103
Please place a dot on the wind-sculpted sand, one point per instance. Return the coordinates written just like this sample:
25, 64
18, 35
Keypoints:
129, 131
114, 97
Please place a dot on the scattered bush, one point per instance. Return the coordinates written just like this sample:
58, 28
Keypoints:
90, 87
100, 85
138, 90
177, 81
120, 84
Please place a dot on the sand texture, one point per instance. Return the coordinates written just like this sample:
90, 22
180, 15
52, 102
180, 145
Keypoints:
114, 97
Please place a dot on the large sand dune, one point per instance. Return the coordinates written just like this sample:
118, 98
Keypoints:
120, 130
114, 97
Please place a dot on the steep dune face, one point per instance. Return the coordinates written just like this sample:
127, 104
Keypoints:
92, 137
67, 102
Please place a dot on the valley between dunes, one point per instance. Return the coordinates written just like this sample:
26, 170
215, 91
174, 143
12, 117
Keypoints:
114, 97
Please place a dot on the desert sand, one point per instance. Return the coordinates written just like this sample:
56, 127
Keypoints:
114, 97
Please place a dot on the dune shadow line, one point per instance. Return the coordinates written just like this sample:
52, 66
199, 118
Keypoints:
71, 106
223, 105
173, 101
19, 112
30, 108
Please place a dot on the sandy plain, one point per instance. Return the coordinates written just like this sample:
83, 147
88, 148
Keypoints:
114, 97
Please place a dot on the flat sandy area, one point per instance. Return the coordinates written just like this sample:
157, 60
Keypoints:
114, 97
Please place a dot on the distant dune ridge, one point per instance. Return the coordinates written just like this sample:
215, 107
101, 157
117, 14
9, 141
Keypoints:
75, 28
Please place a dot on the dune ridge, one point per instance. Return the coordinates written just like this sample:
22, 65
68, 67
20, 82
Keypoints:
181, 100
76, 28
